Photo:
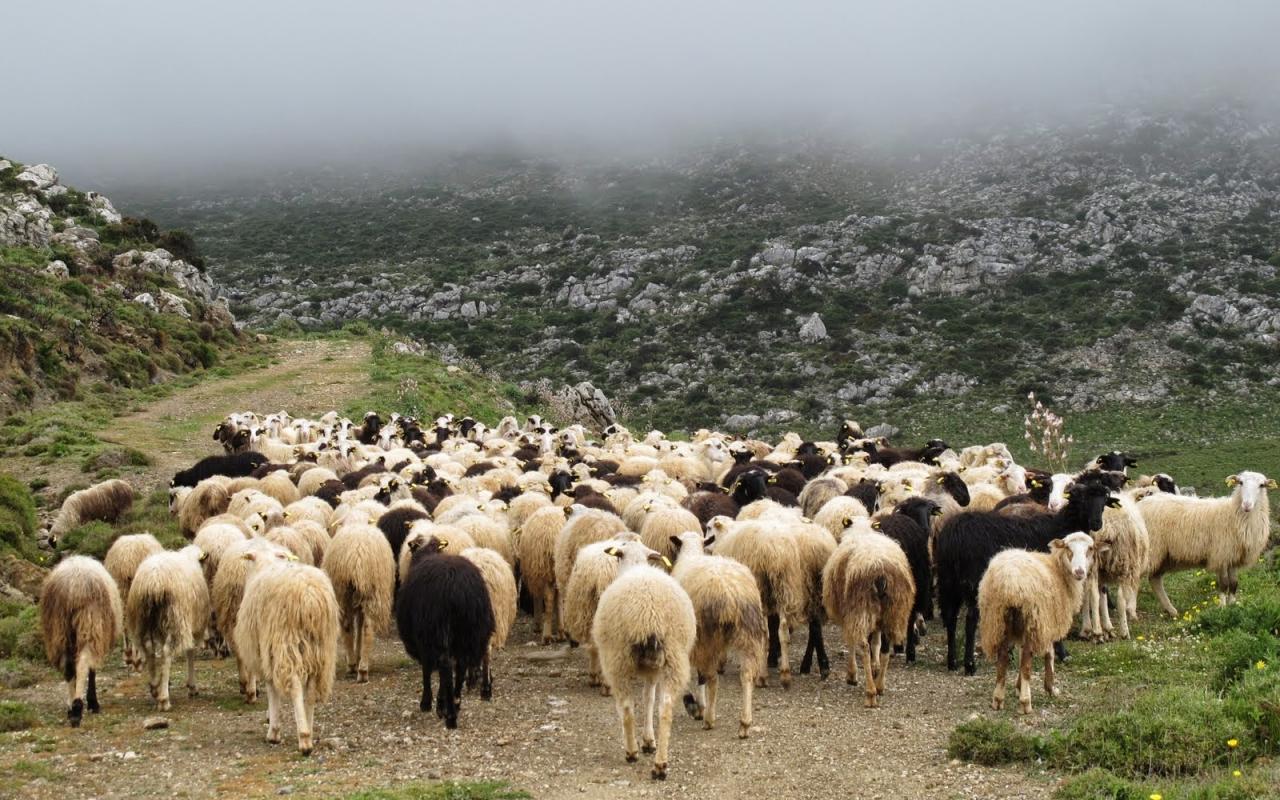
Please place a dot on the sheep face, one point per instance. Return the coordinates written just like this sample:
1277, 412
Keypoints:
1250, 487
715, 450
1115, 461
955, 486
1078, 550
1165, 483
1058, 492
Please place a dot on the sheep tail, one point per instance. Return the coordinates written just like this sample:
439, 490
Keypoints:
1014, 622
69, 665
648, 654
882, 588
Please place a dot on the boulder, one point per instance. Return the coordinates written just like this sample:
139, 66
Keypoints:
813, 329
39, 176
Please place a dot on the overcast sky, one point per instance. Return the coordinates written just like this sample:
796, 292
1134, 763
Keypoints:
108, 88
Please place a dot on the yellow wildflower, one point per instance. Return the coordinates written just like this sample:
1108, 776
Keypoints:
1233, 743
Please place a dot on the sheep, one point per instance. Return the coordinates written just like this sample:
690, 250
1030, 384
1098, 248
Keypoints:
867, 587
207, 499
818, 492
395, 525
167, 615
293, 540
287, 634
452, 541
361, 567
730, 615
213, 540
707, 504
583, 527
233, 466
909, 526
445, 620
535, 545
500, 582
106, 501
835, 511
316, 536
662, 524
645, 628
593, 570
1220, 534
969, 539
522, 507
1121, 563
644, 504
768, 549
80, 618
122, 560
310, 481
487, 532
1028, 600
227, 593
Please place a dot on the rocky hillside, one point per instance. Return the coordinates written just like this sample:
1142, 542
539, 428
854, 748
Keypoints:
92, 300
1133, 257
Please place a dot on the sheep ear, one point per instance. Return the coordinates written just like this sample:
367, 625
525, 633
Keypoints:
249, 557
613, 551
1057, 544
675, 541
936, 512
1271, 484
1232, 480
875, 524
1099, 549
846, 522
941, 481
708, 540
1113, 502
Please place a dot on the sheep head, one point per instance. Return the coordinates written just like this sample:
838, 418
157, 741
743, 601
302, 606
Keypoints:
1250, 488
1077, 551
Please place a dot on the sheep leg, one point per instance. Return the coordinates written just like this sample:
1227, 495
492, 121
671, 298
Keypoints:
153, 679
817, 643
650, 692
192, 691
664, 733
162, 698
301, 717
364, 643
746, 674
546, 603
1087, 607
913, 637
872, 699
425, 703
1157, 586
273, 713
447, 702
1230, 584
1104, 610
696, 701
775, 645
882, 663
1024, 678
851, 666
950, 617
970, 634
709, 714
784, 646
1122, 610
349, 644
1049, 675
91, 700
78, 684
486, 678
625, 703
1132, 598
1002, 669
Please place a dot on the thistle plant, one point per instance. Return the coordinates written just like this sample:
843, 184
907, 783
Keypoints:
1043, 431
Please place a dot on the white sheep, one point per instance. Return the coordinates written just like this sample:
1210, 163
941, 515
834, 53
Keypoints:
1221, 534
106, 501
535, 547
287, 635
645, 629
122, 560
167, 614
361, 567
593, 570
730, 616
1028, 600
80, 618
584, 526
867, 588
228, 591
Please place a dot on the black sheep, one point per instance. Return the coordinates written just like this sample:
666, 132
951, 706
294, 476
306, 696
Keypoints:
969, 540
707, 504
586, 496
560, 481
811, 466
867, 492
788, 478
749, 487
1115, 461
478, 468
445, 621
909, 526
368, 433
331, 492
235, 465
888, 456
395, 526
352, 479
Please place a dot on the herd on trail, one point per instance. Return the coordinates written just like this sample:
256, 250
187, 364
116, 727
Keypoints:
660, 558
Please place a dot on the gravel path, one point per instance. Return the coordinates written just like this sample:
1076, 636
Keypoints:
545, 732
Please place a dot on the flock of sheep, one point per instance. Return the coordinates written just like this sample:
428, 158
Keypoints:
662, 558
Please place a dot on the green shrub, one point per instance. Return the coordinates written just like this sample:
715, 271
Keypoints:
1237, 652
1099, 784
1257, 613
991, 742
90, 539
449, 790
17, 518
18, 673
1170, 732
16, 716
20, 632
1255, 701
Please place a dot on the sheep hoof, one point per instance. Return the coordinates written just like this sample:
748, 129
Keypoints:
273, 737
708, 725
785, 678
871, 701
762, 683
193, 691
691, 706
647, 747
997, 703
631, 758
743, 729
362, 676
970, 669
1026, 708
604, 690
852, 680
163, 705
304, 751
451, 723
75, 713
1053, 691
351, 672
824, 673
659, 772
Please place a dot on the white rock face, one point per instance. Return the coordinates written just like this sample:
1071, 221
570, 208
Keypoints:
148, 300
162, 262
813, 329
40, 176
57, 269
170, 303
103, 208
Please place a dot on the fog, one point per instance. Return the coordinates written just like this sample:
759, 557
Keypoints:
156, 89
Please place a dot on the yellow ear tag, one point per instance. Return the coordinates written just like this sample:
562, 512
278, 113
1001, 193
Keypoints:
666, 562
292, 557
876, 524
